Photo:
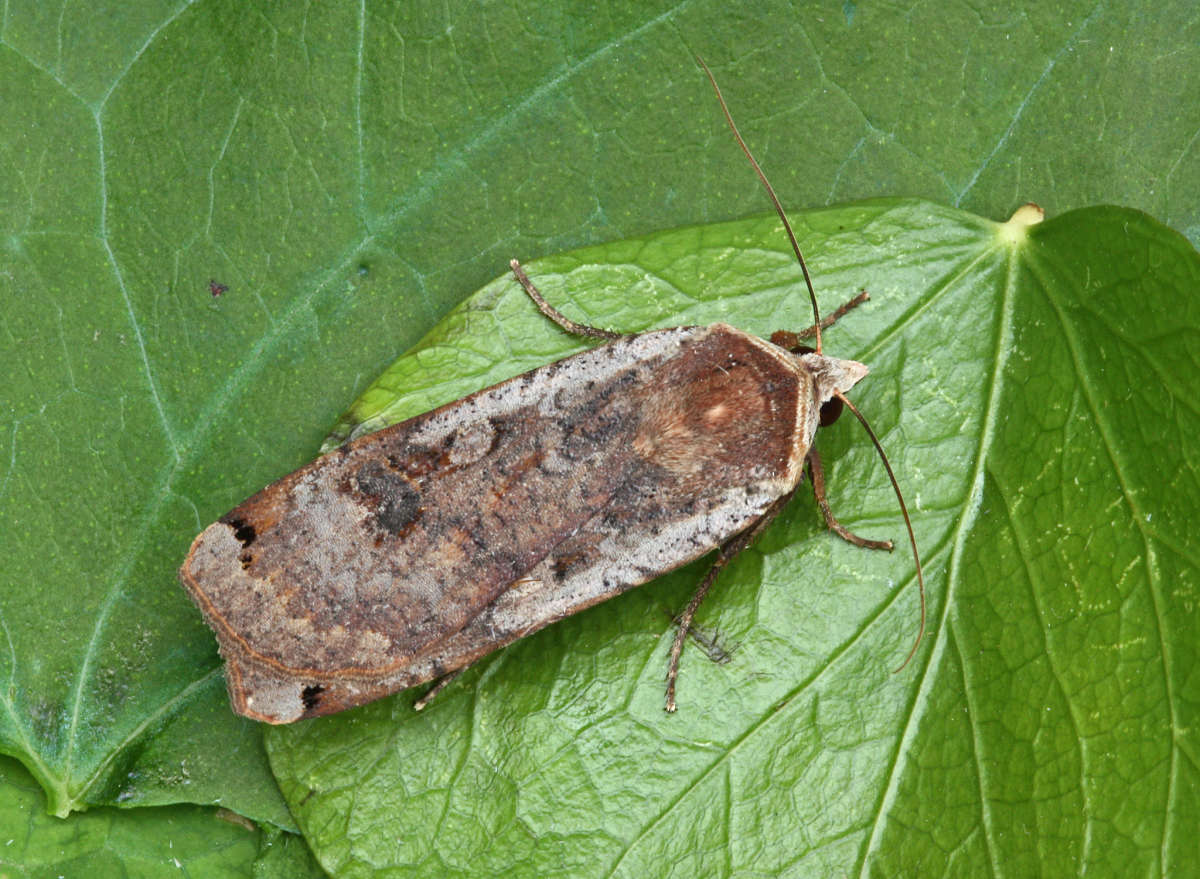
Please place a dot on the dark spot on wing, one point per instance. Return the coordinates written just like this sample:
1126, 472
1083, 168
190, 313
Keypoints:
396, 502
242, 530
311, 696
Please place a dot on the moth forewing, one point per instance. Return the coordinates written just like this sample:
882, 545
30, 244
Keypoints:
411, 552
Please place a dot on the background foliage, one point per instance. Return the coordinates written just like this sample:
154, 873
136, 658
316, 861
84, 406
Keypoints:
349, 173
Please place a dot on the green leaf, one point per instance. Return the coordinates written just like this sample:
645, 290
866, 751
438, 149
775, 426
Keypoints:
347, 173
1036, 390
168, 842
284, 855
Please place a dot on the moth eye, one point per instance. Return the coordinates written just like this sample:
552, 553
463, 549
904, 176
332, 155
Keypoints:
830, 410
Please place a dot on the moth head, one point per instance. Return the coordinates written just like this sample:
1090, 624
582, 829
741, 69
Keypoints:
832, 377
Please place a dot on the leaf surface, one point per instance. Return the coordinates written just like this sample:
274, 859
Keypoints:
167, 842
339, 176
1035, 389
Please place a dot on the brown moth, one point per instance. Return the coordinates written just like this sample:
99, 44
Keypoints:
407, 554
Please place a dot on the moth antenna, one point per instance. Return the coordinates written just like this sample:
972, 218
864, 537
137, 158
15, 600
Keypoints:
812, 295
907, 524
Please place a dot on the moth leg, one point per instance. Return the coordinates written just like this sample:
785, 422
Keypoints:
553, 313
791, 341
725, 555
440, 684
817, 473
710, 644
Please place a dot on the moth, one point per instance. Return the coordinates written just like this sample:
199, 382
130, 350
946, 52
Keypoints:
407, 554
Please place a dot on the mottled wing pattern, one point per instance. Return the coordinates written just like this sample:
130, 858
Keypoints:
410, 552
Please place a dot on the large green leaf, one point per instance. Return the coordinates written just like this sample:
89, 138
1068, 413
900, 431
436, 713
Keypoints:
349, 172
1037, 390
167, 842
